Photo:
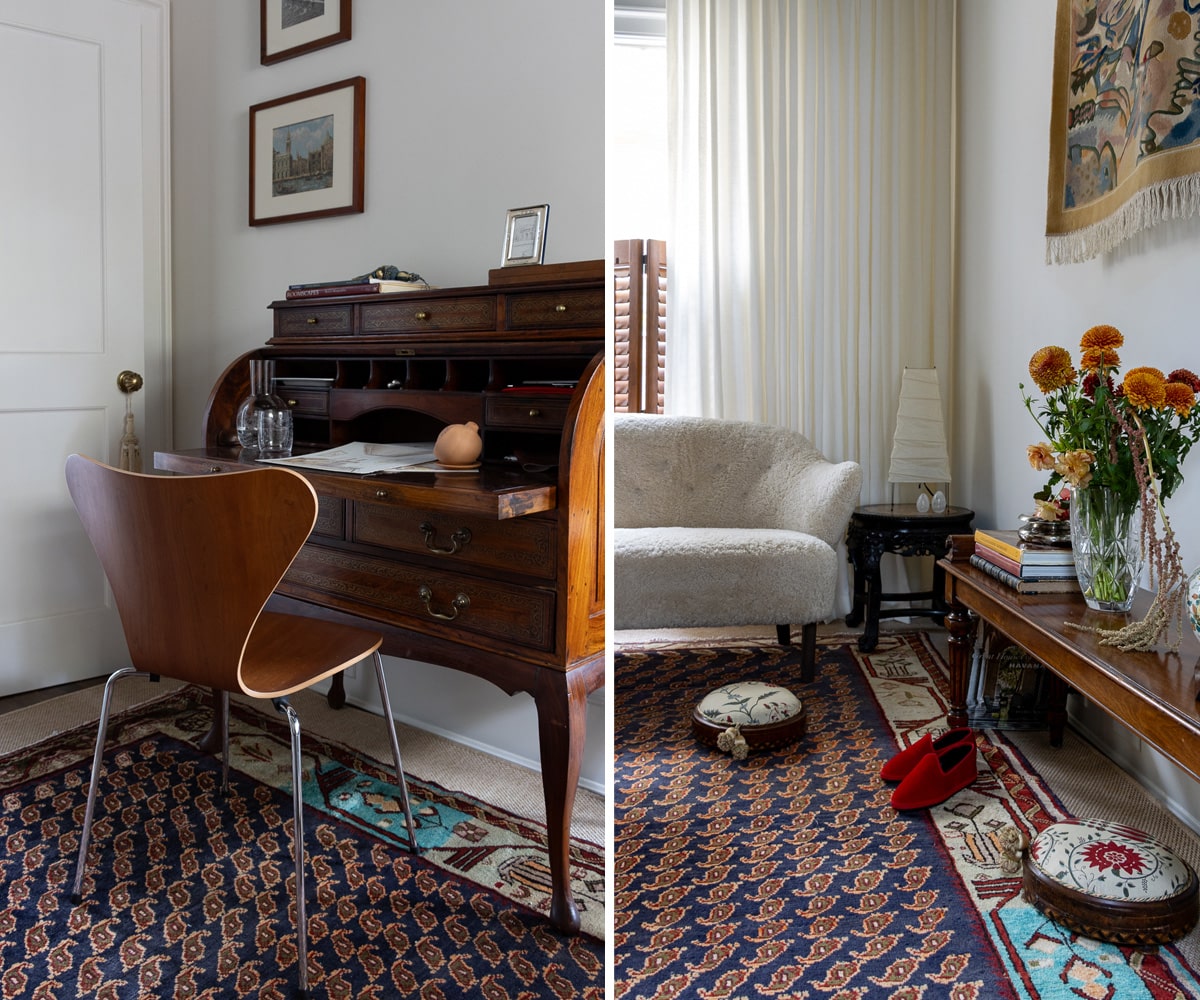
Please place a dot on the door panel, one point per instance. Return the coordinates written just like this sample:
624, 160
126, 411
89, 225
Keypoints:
82, 252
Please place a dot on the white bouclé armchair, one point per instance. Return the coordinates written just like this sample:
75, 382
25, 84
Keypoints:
722, 522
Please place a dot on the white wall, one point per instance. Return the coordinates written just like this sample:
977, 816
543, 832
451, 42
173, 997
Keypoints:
1010, 303
473, 107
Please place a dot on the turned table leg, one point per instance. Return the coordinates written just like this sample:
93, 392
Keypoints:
962, 632
1056, 708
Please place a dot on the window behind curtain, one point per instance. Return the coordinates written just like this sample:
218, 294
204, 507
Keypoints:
637, 200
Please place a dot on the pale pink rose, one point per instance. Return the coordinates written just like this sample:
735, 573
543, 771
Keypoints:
1040, 456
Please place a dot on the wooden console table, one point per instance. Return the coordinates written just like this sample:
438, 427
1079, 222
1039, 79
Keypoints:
498, 573
1153, 694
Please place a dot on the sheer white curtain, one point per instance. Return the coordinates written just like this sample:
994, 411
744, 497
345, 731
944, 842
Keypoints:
811, 160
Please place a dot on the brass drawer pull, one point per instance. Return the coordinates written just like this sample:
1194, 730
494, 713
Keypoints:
461, 602
422, 315
312, 321
381, 494
458, 540
560, 308
535, 412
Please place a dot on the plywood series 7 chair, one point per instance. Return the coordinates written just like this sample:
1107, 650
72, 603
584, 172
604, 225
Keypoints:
192, 561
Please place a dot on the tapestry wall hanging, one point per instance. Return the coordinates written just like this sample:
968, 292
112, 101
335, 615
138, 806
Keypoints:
1125, 122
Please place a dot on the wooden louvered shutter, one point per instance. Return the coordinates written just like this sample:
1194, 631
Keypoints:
627, 326
640, 325
654, 299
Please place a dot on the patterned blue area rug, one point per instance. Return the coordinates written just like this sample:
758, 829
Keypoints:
187, 892
788, 874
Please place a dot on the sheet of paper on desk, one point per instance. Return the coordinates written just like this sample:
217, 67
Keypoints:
362, 459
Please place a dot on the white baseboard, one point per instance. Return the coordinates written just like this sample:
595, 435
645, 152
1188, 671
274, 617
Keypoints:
466, 741
475, 713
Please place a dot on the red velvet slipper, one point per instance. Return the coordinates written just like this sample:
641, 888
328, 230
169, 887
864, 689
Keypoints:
898, 767
936, 777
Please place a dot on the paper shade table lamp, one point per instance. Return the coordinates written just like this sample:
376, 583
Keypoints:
919, 447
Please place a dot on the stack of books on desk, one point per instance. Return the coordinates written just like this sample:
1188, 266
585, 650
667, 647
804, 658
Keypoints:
353, 286
1028, 569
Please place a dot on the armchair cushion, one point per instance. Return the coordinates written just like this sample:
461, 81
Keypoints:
722, 522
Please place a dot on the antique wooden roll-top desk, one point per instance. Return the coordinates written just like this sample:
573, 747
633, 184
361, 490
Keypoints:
499, 572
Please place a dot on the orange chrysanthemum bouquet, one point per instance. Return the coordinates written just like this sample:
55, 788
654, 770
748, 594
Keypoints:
1127, 439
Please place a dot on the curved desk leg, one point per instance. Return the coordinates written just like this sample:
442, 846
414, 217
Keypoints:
961, 624
218, 733
561, 699
336, 696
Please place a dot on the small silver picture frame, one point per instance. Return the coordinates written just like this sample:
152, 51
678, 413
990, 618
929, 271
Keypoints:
525, 236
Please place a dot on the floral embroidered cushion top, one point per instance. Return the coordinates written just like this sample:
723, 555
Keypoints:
734, 716
1109, 861
749, 703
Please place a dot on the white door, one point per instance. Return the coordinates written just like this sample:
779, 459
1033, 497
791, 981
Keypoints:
83, 296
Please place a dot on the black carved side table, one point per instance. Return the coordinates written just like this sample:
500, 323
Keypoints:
904, 530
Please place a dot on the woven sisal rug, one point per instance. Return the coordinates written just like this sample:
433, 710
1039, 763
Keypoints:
186, 892
788, 874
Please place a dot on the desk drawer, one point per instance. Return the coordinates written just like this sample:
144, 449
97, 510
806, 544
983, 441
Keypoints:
331, 517
306, 402
315, 321
522, 545
555, 310
423, 599
417, 316
532, 412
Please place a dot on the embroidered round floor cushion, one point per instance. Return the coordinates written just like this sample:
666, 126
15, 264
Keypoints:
748, 715
1111, 882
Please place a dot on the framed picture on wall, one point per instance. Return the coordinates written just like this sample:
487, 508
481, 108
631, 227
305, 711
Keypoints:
293, 27
306, 154
525, 235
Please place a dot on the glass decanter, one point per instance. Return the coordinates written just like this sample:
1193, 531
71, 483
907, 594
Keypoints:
264, 421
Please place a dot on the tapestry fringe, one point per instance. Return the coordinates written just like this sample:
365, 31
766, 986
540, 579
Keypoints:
1177, 198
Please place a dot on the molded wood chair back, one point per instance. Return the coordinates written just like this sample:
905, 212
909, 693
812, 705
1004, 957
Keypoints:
192, 561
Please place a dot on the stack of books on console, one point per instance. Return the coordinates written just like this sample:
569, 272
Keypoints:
1027, 568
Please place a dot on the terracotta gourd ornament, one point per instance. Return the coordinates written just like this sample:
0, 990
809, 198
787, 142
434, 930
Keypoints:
458, 445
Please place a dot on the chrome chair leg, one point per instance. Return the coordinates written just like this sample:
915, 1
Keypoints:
85, 838
285, 709
391, 724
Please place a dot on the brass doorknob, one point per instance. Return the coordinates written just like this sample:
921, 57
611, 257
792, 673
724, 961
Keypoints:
129, 382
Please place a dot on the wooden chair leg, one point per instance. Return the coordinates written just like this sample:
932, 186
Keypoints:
808, 652
808, 647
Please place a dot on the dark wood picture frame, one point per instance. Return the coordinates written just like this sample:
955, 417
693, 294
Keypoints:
279, 42
295, 190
